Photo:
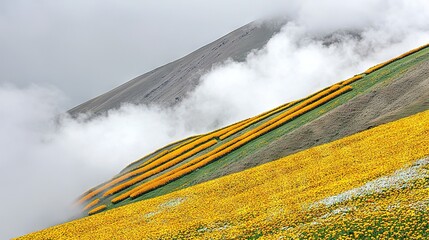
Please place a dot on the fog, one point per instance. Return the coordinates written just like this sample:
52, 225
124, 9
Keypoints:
48, 159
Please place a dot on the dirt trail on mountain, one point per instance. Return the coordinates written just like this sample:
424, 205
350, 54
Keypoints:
385, 102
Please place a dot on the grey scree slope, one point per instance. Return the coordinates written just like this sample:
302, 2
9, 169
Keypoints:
169, 84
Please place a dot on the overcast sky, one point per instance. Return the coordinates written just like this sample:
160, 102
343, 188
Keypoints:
85, 48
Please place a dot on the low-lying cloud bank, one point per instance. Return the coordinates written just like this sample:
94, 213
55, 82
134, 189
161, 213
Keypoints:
48, 159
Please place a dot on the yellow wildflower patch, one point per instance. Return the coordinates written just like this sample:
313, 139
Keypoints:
97, 209
279, 198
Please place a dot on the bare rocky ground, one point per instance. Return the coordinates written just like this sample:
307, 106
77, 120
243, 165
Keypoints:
404, 96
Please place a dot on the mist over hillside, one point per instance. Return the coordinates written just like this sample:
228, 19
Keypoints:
51, 158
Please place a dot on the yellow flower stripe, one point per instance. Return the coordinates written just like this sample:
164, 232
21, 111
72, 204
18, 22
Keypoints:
352, 79
97, 209
380, 65
151, 160
256, 119
271, 198
159, 169
231, 145
162, 152
274, 110
302, 104
91, 204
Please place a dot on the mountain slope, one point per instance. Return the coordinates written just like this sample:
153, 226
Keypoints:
373, 183
168, 84
402, 89
363, 101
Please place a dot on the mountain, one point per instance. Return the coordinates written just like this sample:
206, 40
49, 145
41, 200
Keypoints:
169, 84
385, 93
348, 161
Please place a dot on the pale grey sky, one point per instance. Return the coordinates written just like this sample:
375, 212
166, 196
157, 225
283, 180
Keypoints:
85, 48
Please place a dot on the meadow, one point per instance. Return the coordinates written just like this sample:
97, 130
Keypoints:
373, 184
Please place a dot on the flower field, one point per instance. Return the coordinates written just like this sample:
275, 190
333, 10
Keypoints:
373, 184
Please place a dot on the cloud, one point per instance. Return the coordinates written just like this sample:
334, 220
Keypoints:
48, 159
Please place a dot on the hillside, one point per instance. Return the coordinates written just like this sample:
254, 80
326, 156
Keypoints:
383, 93
170, 83
373, 183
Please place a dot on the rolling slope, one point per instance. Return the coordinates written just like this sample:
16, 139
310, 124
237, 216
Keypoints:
372, 184
334, 111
